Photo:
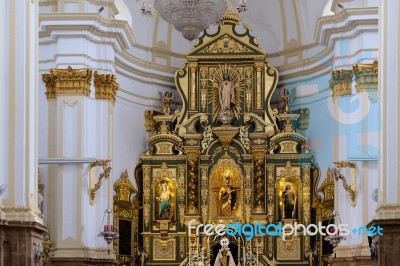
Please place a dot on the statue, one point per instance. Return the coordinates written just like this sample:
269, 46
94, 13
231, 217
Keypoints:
285, 101
289, 202
164, 199
224, 257
226, 91
142, 257
167, 100
227, 197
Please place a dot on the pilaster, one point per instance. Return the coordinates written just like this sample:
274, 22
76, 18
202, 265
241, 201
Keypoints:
80, 128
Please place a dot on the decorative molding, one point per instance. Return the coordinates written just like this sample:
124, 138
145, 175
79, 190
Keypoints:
340, 82
67, 81
104, 174
351, 189
106, 86
366, 76
124, 187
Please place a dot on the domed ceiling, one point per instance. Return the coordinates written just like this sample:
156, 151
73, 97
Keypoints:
278, 25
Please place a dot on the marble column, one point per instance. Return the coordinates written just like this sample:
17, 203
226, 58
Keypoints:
80, 128
388, 210
21, 228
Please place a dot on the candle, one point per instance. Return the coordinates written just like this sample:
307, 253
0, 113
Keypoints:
244, 253
198, 240
257, 254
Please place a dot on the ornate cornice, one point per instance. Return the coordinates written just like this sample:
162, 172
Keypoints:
106, 86
340, 82
67, 81
366, 76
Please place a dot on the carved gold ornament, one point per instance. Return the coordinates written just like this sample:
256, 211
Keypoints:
340, 82
351, 189
67, 81
106, 86
366, 76
104, 174
124, 187
226, 45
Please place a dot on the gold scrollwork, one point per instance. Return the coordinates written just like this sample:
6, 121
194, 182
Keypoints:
351, 189
181, 192
67, 81
366, 76
247, 191
225, 45
259, 194
192, 160
204, 193
106, 86
146, 195
340, 82
105, 174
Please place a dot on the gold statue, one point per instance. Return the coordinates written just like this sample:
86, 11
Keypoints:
167, 99
227, 198
285, 101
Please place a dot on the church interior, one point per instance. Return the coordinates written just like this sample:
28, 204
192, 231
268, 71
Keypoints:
132, 131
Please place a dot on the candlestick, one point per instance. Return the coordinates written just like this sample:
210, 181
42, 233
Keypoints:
257, 254
198, 240
244, 253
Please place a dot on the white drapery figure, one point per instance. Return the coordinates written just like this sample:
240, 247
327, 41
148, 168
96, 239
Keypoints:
226, 93
224, 257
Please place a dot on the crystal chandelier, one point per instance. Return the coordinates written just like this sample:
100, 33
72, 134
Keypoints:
190, 17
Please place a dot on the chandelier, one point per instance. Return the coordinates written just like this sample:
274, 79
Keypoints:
190, 17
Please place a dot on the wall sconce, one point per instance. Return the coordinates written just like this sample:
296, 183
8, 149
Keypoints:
104, 174
351, 189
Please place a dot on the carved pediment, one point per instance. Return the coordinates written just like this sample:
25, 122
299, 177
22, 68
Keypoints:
227, 42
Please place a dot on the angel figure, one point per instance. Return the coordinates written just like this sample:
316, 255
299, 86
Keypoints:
167, 99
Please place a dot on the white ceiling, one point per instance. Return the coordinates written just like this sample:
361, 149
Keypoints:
278, 25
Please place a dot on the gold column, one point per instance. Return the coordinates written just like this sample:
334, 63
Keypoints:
306, 204
249, 88
259, 67
181, 192
193, 190
67, 81
193, 89
247, 193
146, 194
204, 193
203, 90
259, 193
106, 86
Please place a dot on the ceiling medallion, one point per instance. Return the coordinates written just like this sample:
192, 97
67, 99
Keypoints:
190, 17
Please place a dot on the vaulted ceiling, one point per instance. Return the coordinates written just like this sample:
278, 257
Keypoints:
278, 25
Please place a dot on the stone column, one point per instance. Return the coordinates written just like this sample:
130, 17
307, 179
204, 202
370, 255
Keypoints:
388, 210
21, 229
80, 128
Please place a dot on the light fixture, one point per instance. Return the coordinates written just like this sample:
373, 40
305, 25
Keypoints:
190, 17
109, 234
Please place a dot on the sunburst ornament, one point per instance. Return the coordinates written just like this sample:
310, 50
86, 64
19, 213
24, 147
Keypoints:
226, 90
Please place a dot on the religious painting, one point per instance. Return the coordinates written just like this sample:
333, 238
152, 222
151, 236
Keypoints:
288, 199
